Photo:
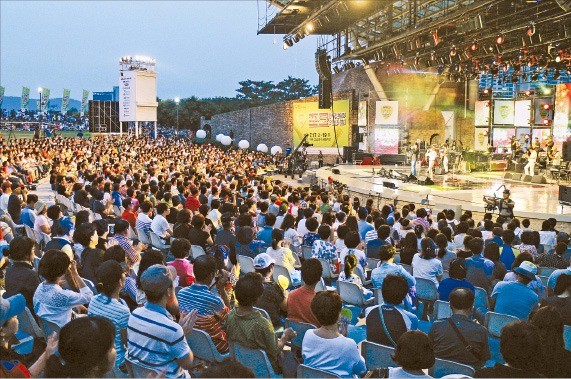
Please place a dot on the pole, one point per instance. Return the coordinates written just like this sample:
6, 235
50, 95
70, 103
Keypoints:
177, 127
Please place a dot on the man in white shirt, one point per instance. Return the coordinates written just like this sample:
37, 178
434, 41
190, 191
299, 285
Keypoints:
301, 228
431, 155
6, 192
160, 225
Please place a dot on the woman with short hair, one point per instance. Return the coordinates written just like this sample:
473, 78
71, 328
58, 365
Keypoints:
414, 353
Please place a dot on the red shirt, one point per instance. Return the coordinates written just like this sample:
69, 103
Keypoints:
299, 306
130, 217
192, 204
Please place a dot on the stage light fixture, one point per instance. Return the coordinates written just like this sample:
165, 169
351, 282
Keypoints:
435, 37
296, 38
309, 27
474, 46
336, 69
500, 39
546, 122
453, 51
432, 55
546, 106
365, 61
530, 30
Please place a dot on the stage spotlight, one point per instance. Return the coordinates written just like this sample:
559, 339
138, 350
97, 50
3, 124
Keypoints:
432, 55
296, 38
453, 51
309, 27
336, 69
546, 122
500, 39
474, 46
365, 61
556, 75
546, 106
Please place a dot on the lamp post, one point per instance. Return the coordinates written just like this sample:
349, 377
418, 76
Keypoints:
40, 90
177, 101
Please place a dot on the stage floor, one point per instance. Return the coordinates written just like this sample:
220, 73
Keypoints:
531, 200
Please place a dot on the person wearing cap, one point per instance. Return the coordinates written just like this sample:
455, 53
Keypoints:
516, 298
274, 297
564, 237
52, 302
10, 366
16, 202
154, 340
505, 205
41, 222
28, 215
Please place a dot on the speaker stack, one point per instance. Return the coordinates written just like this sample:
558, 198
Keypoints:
323, 67
565, 194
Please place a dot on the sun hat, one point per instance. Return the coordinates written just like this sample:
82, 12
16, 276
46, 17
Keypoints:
262, 261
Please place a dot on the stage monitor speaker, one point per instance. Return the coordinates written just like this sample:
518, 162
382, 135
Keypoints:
336, 171
516, 176
566, 151
508, 175
565, 194
539, 179
526, 178
425, 181
390, 185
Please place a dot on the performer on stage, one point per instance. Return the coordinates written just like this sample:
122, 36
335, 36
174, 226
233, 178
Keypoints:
431, 155
505, 205
444, 155
554, 156
414, 152
529, 168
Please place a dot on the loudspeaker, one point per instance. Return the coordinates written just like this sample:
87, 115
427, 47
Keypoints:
526, 178
508, 175
425, 181
516, 176
411, 178
325, 93
565, 194
336, 171
390, 185
566, 151
539, 179
323, 67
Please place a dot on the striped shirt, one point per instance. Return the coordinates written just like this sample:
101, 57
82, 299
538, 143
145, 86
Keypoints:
118, 313
212, 312
133, 255
143, 222
155, 341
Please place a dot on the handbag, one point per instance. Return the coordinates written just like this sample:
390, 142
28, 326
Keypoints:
469, 348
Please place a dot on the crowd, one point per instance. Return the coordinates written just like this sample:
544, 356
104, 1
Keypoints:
246, 259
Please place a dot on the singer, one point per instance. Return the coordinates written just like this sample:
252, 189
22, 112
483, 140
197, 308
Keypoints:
505, 204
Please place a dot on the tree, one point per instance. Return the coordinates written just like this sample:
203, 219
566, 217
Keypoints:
257, 92
295, 88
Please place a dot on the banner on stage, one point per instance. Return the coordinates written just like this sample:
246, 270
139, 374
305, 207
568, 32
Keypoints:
1, 95
386, 141
25, 100
482, 113
481, 139
387, 113
362, 115
503, 112
501, 137
318, 124
44, 100
522, 115
65, 101
84, 99
562, 117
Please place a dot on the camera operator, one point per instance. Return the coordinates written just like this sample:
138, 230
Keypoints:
505, 204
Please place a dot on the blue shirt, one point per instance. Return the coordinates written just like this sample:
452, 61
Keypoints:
507, 257
364, 227
28, 216
385, 268
450, 284
118, 313
266, 234
514, 299
155, 341
555, 275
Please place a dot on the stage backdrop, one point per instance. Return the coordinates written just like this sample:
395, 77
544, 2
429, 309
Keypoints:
562, 119
387, 113
386, 140
482, 117
503, 112
318, 123
522, 113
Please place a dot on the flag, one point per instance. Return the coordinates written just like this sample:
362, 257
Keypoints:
84, 99
65, 101
25, 98
1, 95
44, 101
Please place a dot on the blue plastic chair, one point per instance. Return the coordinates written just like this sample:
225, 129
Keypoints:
377, 355
304, 371
496, 321
256, 359
567, 336
443, 367
441, 310
203, 347
300, 328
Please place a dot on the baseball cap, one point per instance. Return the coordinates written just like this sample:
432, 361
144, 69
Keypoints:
507, 191
11, 307
563, 237
527, 269
156, 279
262, 261
39, 206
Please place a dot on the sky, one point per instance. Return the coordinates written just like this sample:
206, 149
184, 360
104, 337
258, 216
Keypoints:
202, 48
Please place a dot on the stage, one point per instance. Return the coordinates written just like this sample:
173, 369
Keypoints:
537, 201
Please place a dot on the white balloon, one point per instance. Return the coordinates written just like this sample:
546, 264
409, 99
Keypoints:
276, 150
219, 137
262, 148
226, 140
200, 133
243, 144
